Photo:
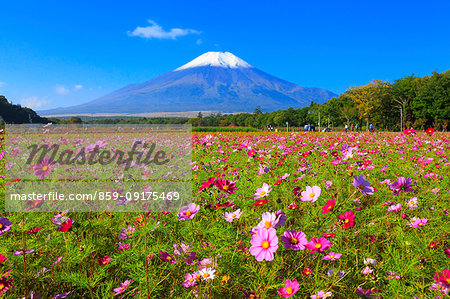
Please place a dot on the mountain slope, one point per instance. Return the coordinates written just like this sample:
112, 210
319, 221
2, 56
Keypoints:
214, 81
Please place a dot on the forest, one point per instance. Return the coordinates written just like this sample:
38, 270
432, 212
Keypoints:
411, 101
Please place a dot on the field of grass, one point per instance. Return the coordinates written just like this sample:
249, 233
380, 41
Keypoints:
308, 215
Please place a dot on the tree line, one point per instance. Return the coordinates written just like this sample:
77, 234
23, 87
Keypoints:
411, 101
16, 114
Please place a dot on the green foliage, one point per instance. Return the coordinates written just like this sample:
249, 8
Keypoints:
17, 114
224, 129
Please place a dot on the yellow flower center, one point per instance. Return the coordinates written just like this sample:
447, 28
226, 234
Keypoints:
1, 226
262, 193
44, 168
312, 195
318, 245
188, 213
191, 280
226, 187
448, 280
267, 224
2, 286
294, 241
265, 244
234, 215
421, 223
346, 221
169, 258
411, 202
332, 256
289, 290
206, 275
199, 276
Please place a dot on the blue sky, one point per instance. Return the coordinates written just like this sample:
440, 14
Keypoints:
63, 53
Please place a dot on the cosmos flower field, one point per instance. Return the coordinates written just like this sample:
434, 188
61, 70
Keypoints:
303, 215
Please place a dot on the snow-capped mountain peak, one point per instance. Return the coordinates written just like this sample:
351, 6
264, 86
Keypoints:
219, 59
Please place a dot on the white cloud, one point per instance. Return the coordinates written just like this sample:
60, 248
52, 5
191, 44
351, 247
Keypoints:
61, 90
156, 31
34, 102
77, 87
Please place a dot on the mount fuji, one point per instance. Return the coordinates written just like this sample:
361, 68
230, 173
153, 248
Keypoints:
212, 82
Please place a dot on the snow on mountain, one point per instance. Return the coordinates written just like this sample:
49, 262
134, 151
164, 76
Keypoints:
214, 81
220, 59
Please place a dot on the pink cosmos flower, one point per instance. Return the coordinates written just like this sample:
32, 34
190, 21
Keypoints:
189, 280
294, 240
264, 244
395, 208
366, 271
263, 191
319, 245
122, 287
328, 184
417, 222
332, 256
290, 288
188, 212
311, 193
362, 185
232, 215
321, 294
268, 220
43, 168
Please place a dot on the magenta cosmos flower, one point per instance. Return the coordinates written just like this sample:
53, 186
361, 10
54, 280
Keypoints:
290, 288
264, 244
188, 212
42, 169
311, 193
165, 256
319, 245
294, 240
362, 185
332, 256
401, 185
226, 186
329, 206
263, 191
104, 260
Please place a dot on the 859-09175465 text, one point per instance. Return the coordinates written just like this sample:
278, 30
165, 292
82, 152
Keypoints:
97, 195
